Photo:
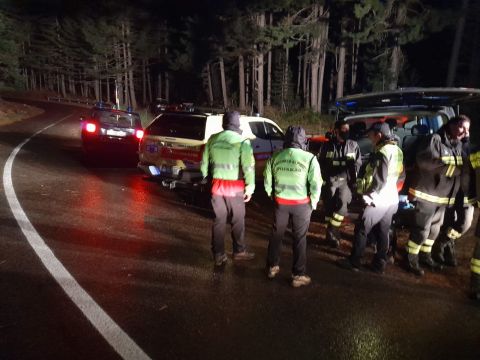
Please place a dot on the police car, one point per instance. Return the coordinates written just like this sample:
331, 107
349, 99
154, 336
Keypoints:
172, 147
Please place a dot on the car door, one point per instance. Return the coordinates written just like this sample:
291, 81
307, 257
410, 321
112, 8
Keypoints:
275, 135
262, 147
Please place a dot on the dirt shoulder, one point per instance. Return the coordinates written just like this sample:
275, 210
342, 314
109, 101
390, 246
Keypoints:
11, 112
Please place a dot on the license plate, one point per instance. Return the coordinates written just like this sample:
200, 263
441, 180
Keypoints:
112, 132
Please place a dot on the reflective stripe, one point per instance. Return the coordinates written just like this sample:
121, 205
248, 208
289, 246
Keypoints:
453, 234
475, 268
335, 223
338, 217
475, 159
426, 249
249, 168
450, 170
225, 166
431, 198
329, 155
429, 242
452, 160
469, 201
339, 163
288, 187
413, 248
350, 155
475, 262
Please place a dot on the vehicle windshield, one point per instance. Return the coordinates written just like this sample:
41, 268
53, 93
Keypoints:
118, 118
178, 125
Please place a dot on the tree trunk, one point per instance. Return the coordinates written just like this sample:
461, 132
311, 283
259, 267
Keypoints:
167, 80
159, 85
341, 70
269, 70
107, 81
224, 85
144, 82
452, 66
241, 83
126, 90
118, 80
247, 87
167, 86
131, 86
96, 85
396, 57
260, 67
149, 83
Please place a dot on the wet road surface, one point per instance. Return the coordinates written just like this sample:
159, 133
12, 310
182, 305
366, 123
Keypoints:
143, 253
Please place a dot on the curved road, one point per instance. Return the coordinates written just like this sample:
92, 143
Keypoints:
142, 253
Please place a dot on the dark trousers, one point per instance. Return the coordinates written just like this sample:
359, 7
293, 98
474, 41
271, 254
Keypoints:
459, 218
337, 197
376, 220
300, 215
428, 220
224, 208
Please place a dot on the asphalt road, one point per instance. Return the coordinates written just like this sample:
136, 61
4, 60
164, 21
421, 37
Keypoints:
143, 255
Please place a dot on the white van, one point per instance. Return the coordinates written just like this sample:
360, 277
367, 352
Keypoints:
172, 146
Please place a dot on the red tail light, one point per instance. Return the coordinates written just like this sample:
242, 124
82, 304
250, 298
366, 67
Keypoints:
91, 127
139, 134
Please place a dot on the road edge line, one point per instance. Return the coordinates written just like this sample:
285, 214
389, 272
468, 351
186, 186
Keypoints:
109, 329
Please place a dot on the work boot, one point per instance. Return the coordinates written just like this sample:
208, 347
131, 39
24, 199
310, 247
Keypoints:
346, 264
450, 255
438, 249
300, 280
378, 266
220, 259
244, 255
426, 260
412, 264
273, 271
333, 236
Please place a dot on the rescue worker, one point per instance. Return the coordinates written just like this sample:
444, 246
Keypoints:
340, 160
292, 178
458, 218
438, 168
475, 261
378, 186
228, 159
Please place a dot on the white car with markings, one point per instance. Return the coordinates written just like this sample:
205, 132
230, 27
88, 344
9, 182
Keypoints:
172, 147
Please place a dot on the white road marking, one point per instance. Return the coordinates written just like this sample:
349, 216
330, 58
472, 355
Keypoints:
112, 333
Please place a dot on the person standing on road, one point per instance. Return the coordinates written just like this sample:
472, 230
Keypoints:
228, 159
439, 165
292, 178
340, 161
458, 218
378, 187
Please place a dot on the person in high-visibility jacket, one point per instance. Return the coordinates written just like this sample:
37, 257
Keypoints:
458, 219
378, 186
292, 178
437, 179
228, 159
475, 261
340, 161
